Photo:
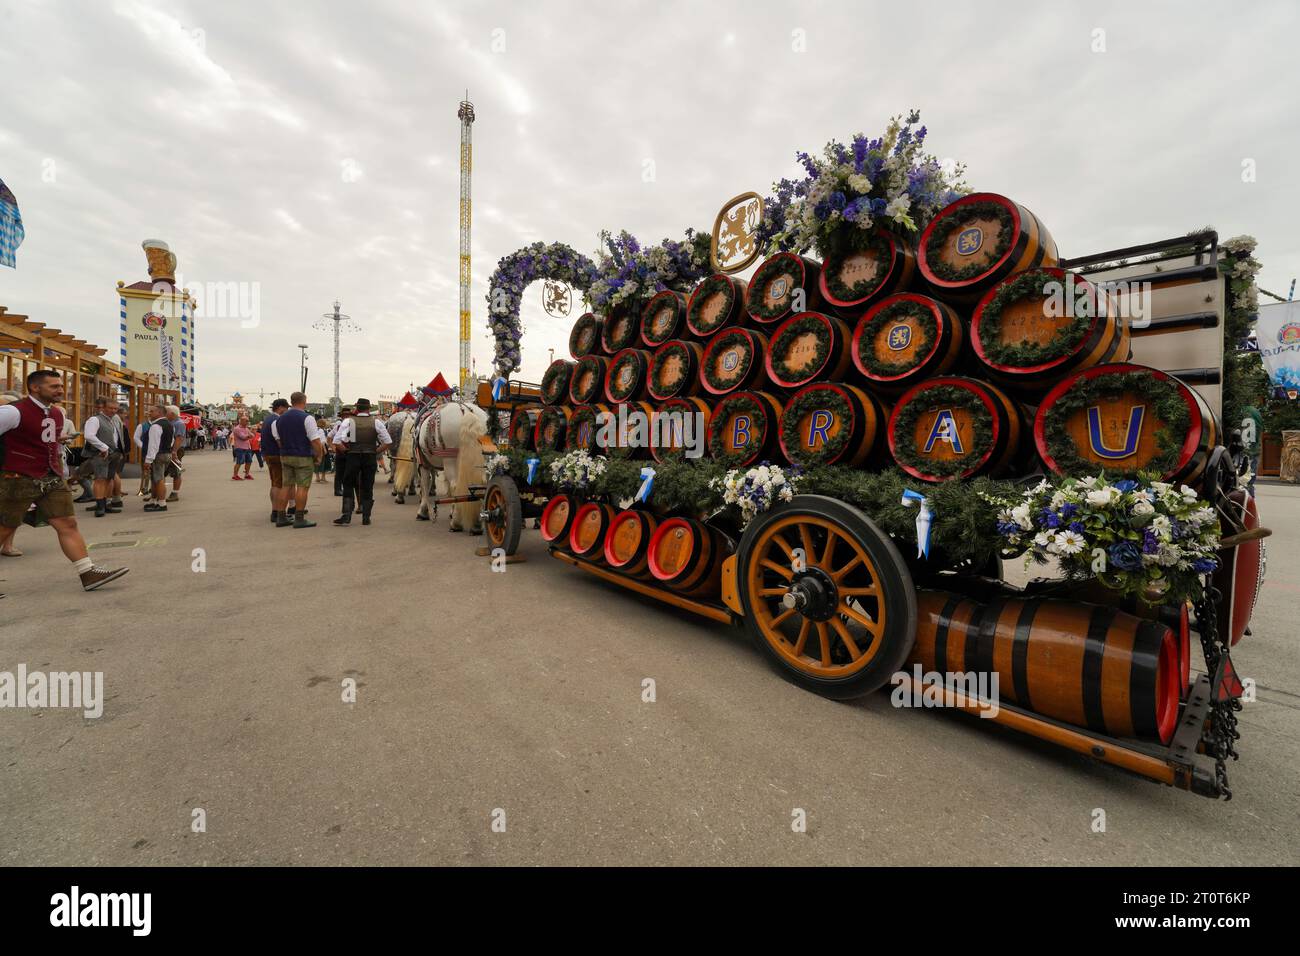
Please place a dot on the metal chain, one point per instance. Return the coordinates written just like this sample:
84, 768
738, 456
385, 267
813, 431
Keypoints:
1221, 735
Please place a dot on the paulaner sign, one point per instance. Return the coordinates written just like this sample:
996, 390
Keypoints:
1278, 333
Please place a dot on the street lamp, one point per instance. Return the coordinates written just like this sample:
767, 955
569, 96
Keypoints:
302, 369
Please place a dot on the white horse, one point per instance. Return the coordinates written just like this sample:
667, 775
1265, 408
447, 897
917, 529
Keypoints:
446, 445
399, 459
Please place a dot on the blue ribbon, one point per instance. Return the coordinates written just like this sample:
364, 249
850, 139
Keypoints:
498, 388
647, 484
924, 519
532, 468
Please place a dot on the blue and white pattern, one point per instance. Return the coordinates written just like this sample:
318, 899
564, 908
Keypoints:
11, 227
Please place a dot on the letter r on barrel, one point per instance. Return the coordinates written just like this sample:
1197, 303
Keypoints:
818, 426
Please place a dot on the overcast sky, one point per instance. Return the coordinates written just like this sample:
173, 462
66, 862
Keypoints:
311, 148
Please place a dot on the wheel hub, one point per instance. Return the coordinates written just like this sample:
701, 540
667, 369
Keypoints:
813, 594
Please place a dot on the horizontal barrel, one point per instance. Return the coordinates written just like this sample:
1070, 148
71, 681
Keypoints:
663, 319
882, 265
557, 520
1032, 328
830, 423
680, 428
734, 359
590, 525
745, 428
1084, 664
717, 302
686, 556
585, 337
551, 433
588, 380
584, 428
1125, 419
954, 427
630, 430
523, 426
621, 329
784, 285
555, 382
675, 370
905, 339
627, 544
810, 347
977, 241
625, 377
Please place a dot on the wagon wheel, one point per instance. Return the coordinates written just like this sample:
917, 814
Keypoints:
841, 621
503, 514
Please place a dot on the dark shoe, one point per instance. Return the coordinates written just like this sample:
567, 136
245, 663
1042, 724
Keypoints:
343, 519
114, 503
365, 519
275, 517
77, 501
151, 507
301, 522
420, 517
100, 509
114, 508
284, 522
97, 577
173, 497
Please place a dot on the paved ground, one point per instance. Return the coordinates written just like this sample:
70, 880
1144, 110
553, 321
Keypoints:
522, 692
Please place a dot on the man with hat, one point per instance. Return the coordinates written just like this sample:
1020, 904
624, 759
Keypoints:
332, 441
362, 438
271, 454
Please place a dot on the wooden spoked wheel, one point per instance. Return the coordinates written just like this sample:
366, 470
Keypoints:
503, 514
828, 598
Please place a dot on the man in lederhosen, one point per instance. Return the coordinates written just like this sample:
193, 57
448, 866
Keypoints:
32, 471
344, 414
106, 444
363, 439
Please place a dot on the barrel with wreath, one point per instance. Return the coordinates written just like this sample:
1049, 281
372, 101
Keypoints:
523, 426
832, 423
585, 337
977, 241
1031, 329
584, 430
809, 347
555, 381
956, 427
625, 377
905, 339
745, 429
784, 285
663, 319
630, 430
678, 428
587, 382
877, 263
551, 433
1122, 420
717, 302
675, 370
621, 329
734, 359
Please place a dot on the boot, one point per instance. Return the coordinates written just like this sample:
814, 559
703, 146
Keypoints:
284, 521
101, 508
301, 522
344, 519
365, 512
275, 517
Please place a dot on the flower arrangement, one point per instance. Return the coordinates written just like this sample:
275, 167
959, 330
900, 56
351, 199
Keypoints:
629, 275
1141, 538
513, 274
1245, 382
576, 470
889, 181
755, 490
497, 465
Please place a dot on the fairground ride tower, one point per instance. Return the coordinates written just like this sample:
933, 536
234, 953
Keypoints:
466, 115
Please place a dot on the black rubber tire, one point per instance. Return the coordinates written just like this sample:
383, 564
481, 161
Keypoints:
513, 526
893, 579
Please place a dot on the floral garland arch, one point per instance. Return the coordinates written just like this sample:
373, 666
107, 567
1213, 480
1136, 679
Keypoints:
514, 273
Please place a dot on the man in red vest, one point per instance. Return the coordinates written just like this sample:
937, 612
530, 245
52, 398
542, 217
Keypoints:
32, 472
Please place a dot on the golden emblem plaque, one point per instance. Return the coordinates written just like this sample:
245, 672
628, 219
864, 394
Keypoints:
735, 233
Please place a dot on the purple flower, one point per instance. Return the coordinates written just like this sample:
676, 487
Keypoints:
837, 200
1077, 527
1150, 543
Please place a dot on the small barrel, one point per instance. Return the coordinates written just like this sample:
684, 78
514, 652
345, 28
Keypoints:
627, 544
621, 329
745, 428
584, 429
905, 339
954, 427
1084, 664
679, 429
557, 520
585, 337
1124, 419
852, 279
625, 377
590, 525
1031, 329
734, 359
829, 423
588, 381
772, 295
523, 426
1241, 573
555, 382
551, 433
631, 430
977, 241
717, 302
664, 318
686, 556
675, 370
810, 347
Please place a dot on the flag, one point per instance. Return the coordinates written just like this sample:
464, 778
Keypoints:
167, 363
11, 227
1278, 333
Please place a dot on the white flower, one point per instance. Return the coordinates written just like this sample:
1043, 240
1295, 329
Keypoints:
899, 206
860, 184
1189, 494
1143, 508
1089, 482
1020, 515
1070, 542
1042, 539
1102, 497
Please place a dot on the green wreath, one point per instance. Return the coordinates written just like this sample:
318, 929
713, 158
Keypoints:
549, 413
1025, 354
591, 362
943, 228
559, 369
1166, 403
618, 313
651, 313
669, 389
617, 393
587, 322
904, 308
869, 241
808, 323
747, 359
581, 416
737, 404
822, 399
766, 274
905, 450
523, 428
707, 289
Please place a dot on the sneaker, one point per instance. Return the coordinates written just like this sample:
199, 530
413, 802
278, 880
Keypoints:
234, 478
248, 478
97, 577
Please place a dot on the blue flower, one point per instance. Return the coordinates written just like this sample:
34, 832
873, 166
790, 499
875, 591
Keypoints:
1050, 518
1204, 565
1125, 556
1077, 527
1127, 484
837, 200
1069, 510
1150, 543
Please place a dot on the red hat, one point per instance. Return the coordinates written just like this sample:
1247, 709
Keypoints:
408, 399
438, 386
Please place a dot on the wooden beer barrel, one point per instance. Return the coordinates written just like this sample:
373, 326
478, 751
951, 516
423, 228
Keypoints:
620, 330
1032, 328
906, 338
585, 337
829, 423
664, 318
555, 381
1084, 664
669, 434
587, 535
557, 520
686, 556
717, 302
734, 359
631, 432
979, 240
810, 347
523, 426
588, 380
771, 295
584, 429
625, 375
1124, 419
852, 279
954, 427
627, 544
675, 370
552, 428
1240, 572
745, 428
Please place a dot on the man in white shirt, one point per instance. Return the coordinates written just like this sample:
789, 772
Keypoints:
301, 444
106, 448
177, 450
153, 438
363, 439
